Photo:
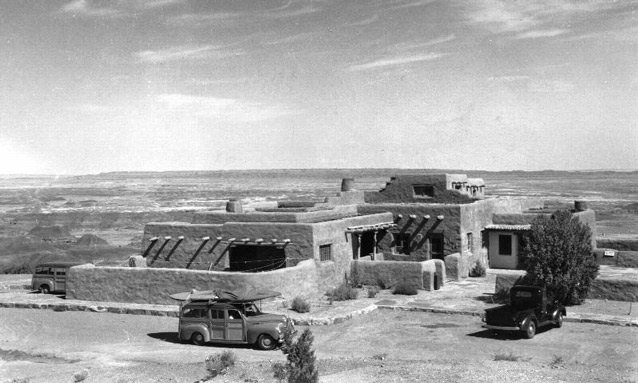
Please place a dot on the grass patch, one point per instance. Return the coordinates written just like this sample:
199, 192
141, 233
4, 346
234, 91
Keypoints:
218, 364
557, 361
506, 356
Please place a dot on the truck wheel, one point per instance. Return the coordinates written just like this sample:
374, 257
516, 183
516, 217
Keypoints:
266, 342
198, 339
530, 331
44, 289
559, 320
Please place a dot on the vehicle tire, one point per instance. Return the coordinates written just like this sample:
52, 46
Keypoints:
530, 331
44, 289
266, 342
559, 321
198, 339
494, 333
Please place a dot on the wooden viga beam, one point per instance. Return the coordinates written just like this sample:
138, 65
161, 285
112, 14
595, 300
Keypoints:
166, 241
199, 249
150, 246
175, 246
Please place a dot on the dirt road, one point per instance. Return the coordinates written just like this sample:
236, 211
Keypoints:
383, 346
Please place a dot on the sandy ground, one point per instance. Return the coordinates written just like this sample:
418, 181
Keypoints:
382, 346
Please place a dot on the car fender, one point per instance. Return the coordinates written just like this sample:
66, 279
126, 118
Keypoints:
187, 331
255, 331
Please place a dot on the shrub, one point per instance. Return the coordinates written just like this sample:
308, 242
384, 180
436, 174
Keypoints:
557, 254
20, 268
385, 284
355, 277
300, 305
373, 291
404, 289
218, 364
280, 372
80, 376
478, 270
342, 293
301, 360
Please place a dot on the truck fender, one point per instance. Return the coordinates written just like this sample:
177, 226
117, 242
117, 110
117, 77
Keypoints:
526, 321
187, 332
558, 311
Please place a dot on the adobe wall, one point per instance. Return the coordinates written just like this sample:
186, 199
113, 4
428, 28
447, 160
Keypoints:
401, 189
419, 275
278, 215
152, 285
420, 227
300, 246
588, 217
332, 273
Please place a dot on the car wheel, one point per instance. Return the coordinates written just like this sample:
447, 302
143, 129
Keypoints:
530, 331
198, 339
266, 342
559, 320
44, 289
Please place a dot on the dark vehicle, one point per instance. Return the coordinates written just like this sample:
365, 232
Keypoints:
223, 317
528, 310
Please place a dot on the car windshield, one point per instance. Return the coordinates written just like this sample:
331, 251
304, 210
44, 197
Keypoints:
248, 309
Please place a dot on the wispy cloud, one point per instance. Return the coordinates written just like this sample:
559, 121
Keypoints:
396, 61
364, 22
292, 39
112, 9
186, 52
541, 33
424, 44
227, 109
532, 18
403, 4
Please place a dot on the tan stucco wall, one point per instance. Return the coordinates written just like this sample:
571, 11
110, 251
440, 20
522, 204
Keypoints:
152, 285
417, 274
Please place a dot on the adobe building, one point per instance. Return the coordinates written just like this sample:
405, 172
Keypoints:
420, 229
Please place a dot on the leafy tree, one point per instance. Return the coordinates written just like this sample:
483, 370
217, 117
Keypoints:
557, 254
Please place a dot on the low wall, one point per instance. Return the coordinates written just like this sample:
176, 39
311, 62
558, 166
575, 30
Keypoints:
620, 258
427, 275
618, 244
153, 285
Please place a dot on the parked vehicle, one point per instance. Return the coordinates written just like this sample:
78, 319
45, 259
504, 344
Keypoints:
527, 310
51, 276
230, 319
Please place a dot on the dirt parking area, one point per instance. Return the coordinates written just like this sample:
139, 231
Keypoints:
382, 346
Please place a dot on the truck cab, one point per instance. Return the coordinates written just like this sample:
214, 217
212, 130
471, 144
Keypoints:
528, 309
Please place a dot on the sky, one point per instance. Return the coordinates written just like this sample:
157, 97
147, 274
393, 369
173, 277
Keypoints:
90, 86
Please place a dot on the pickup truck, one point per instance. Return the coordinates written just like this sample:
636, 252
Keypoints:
528, 309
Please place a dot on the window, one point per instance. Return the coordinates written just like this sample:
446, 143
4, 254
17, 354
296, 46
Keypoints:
217, 314
60, 272
325, 253
423, 191
470, 242
402, 243
234, 315
194, 313
437, 246
505, 244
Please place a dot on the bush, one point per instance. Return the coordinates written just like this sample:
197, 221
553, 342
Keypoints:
280, 372
300, 366
557, 254
373, 291
385, 284
509, 357
342, 293
218, 364
300, 305
355, 278
478, 270
404, 289
21, 268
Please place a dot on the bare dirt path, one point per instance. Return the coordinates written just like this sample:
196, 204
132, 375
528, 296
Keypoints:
383, 346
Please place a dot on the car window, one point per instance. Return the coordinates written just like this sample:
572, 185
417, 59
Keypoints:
523, 294
194, 313
233, 314
217, 314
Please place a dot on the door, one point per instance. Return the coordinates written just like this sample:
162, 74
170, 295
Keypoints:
217, 324
59, 281
234, 325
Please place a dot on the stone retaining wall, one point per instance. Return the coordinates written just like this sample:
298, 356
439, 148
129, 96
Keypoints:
426, 275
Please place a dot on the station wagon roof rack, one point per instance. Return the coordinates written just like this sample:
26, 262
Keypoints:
224, 296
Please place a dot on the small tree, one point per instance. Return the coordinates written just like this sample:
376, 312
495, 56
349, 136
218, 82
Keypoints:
557, 254
300, 367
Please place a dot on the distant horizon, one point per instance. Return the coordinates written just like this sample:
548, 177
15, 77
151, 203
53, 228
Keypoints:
49, 175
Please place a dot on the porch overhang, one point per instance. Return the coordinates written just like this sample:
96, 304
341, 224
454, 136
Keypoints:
367, 228
508, 227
